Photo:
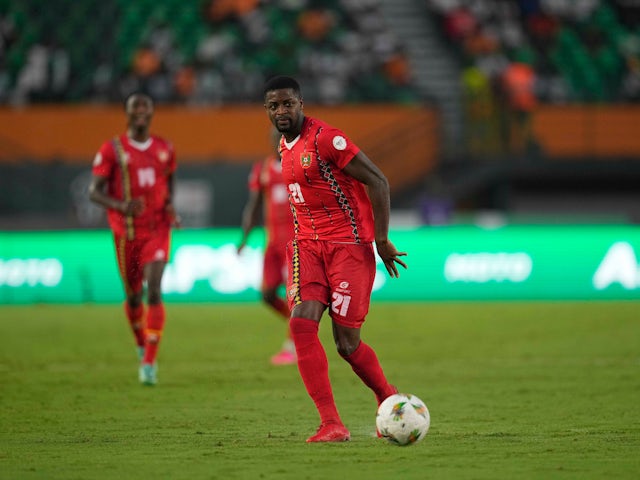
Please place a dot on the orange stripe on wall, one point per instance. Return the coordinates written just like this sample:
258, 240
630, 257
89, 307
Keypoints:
588, 131
74, 133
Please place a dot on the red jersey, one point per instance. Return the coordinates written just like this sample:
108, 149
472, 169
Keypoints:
266, 176
328, 204
137, 170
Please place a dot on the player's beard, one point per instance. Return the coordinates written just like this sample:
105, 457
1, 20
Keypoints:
284, 125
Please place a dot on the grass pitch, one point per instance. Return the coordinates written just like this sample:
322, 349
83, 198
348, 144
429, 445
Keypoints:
515, 390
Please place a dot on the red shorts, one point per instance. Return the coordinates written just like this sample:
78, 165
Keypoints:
339, 275
274, 269
133, 255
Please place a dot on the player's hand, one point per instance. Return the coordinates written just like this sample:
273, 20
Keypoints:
133, 207
389, 256
175, 219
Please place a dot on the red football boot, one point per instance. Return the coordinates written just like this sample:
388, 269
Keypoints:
330, 432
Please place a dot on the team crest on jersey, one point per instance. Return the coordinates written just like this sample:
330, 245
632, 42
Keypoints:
305, 159
163, 156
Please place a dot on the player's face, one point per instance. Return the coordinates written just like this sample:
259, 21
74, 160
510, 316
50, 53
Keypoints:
139, 112
284, 108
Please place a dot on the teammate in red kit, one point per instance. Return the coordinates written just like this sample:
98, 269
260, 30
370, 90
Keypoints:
267, 190
133, 177
340, 203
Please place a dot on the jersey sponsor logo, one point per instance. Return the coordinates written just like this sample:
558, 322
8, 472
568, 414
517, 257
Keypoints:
339, 142
163, 156
97, 160
343, 288
305, 159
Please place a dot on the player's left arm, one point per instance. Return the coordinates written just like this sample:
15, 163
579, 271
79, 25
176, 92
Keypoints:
365, 171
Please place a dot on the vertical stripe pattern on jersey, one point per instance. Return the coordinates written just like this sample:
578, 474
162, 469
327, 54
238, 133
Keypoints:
295, 273
327, 174
122, 263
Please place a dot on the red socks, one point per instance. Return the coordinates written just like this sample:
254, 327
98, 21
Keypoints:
314, 367
136, 322
153, 332
365, 364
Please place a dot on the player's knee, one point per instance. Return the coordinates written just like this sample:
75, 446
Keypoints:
134, 300
346, 347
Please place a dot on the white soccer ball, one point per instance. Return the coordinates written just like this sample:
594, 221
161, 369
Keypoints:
403, 419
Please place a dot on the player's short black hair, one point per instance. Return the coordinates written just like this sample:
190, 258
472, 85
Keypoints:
138, 93
281, 82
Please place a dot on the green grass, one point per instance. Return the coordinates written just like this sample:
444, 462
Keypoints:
515, 390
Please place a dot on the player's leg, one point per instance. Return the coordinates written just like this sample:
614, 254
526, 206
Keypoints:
134, 310
314, 370
273, 276
363, 360
127, 256
306, 290
156, 313
154, 258
351, 278
287, 353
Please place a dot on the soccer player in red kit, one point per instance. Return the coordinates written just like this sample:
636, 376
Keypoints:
267, 190
133, 177
340, 203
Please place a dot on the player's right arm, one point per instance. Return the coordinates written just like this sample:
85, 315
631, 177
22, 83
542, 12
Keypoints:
103, 168
97, 194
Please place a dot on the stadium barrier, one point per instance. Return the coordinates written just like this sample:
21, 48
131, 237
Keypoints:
445, 263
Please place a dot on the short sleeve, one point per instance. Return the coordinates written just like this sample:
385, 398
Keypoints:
254, 177
104, 161
336, 147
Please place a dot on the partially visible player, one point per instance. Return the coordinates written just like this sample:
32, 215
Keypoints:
133, 178
268, 191
340, 202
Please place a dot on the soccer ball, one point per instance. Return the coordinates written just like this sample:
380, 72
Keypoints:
403, 419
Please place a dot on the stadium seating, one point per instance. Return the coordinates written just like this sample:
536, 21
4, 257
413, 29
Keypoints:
99, 51
584, 52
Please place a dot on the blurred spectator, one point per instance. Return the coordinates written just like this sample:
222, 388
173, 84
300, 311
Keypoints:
481, 117
146, 62
397, 69
518, 86
44, 76
185, 83
314, 25
459, 23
